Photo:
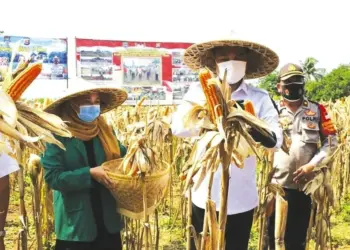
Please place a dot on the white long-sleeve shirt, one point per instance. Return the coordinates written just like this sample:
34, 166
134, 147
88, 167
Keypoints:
8, 165
242, 195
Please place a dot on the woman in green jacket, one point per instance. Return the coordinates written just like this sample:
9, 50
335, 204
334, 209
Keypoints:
85, 210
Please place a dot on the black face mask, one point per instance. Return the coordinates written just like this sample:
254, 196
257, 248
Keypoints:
293, 92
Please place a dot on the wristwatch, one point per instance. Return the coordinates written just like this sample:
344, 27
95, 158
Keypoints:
2, 234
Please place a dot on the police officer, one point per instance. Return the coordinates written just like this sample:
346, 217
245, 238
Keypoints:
308, 125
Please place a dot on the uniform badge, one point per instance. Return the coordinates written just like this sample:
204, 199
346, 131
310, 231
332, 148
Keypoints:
310, 113
292, 68
311, 125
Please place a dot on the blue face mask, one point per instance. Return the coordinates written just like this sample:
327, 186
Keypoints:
89, 113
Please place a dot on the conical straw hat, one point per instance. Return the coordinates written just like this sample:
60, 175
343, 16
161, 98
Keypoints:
261, 59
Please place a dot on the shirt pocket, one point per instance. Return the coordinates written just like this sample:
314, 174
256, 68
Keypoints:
310, 132
73, 202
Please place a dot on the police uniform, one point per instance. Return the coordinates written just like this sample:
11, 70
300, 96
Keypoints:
310, 130
313, 138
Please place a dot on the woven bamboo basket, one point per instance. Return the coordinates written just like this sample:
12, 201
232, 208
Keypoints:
128, 191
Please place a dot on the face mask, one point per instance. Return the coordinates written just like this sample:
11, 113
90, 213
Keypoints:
89, 113
293, 92
235, 71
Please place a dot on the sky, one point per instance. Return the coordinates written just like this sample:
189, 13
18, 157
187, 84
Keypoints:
293, 29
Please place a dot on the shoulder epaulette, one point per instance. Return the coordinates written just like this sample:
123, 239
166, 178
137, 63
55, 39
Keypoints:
314, 102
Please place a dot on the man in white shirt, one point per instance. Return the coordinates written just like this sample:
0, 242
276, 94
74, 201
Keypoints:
242, 60
7, 166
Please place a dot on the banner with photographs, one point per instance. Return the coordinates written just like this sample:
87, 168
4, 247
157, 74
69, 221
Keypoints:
50, 51
152, 69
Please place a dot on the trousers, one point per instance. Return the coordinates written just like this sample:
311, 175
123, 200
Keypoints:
102, 242
299, 211
238, 227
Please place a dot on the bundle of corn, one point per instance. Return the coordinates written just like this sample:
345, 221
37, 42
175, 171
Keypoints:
224, 139
340, 178
43, 124
268, 193
181, 157
141, 178
322, 199
9, 125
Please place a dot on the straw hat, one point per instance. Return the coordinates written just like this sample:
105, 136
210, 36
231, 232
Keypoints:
110, 97
261, 59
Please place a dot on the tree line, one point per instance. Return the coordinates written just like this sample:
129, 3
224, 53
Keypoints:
320, 86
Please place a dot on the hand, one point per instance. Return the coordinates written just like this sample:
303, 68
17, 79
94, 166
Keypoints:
303, 173
99, 175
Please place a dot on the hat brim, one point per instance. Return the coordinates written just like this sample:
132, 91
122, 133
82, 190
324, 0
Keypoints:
110, 98
287, 76
261, 60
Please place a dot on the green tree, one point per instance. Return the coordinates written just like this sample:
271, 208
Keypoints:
310, 70
269, 83
332, 86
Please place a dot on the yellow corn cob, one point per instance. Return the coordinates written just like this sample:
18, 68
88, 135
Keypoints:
23, 80
210, 94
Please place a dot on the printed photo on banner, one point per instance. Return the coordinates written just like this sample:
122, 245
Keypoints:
181, 80
96, 64
142, 70
51, 52
97, 73
179, 90
177, 59
183, 75
136, 93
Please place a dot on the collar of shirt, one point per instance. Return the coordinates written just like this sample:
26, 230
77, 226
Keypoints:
241, 91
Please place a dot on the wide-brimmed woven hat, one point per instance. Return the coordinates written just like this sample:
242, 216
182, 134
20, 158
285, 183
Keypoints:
110, 97
261, 59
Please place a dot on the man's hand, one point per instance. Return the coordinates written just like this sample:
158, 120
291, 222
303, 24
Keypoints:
304, 173
101, 176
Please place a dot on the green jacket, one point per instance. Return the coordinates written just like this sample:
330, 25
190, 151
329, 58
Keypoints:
68, 174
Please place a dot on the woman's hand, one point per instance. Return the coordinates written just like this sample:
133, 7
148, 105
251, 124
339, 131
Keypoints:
99, 175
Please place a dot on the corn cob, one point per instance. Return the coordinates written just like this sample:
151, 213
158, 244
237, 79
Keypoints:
248, 107
23, 80
204, 76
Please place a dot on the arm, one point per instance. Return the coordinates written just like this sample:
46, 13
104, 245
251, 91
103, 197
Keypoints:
58, 178
7, 166
327, 134
4, 202
269, 114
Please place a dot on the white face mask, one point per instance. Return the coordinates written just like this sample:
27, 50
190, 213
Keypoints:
235, 70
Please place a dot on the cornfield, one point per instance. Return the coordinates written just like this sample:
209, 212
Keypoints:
30, 221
